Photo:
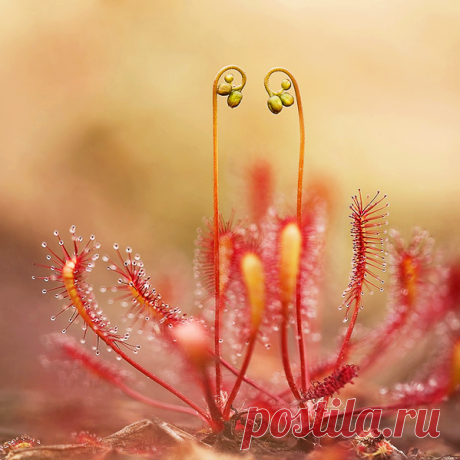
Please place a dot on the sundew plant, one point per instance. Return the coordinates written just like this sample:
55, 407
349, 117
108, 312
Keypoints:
258, 282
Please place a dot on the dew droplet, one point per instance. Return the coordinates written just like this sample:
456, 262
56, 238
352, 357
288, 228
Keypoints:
44, 244
53, 318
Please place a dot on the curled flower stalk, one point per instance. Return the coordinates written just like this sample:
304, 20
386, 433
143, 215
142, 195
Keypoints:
234, 96
277, 100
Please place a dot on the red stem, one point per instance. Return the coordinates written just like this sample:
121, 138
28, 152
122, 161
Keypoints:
343, 349
285, 356
241, 375
217, 293
300, 335
216, 237
157, 380
304, 378
251, 382
209, 396
154, 403
384, 339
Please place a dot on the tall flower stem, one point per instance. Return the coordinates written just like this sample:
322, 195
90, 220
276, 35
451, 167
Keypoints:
217, 288
301, 130
304, 377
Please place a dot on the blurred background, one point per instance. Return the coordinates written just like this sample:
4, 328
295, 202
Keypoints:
105, 123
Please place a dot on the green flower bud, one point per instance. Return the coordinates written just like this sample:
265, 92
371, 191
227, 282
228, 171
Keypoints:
275, 105
286, 84
234, 99
224, 89
287, 99
229, 78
